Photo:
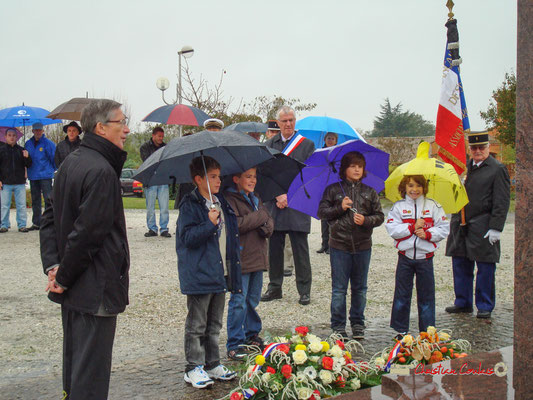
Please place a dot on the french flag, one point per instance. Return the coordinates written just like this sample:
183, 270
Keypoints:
296, 140
392, 356
452, 115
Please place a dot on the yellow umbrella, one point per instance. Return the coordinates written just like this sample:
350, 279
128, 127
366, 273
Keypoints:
444, 185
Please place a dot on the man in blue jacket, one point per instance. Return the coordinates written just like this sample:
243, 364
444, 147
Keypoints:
41, 172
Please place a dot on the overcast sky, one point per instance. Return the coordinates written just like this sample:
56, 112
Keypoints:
346, 55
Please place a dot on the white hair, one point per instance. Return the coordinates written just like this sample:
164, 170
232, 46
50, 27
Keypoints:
285, 110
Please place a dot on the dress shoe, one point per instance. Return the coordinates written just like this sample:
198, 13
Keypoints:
457, 309
483, 314
150, 233
23, 230
323, 249
3, 230
305, 299
271, 295
358, 332
341, 332
327, 251
33, 228
165, 234
287, 272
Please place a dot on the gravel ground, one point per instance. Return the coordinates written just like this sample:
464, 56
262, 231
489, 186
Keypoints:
30, 330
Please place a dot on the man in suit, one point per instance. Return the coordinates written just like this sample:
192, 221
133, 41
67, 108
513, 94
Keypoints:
288, 221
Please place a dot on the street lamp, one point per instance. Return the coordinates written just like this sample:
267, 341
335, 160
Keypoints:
163, 83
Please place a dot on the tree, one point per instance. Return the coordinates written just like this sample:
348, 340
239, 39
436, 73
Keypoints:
501, 115
393, 122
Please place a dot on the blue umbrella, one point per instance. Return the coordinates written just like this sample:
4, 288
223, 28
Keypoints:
316, 128
248, 126
323, 168
25, 116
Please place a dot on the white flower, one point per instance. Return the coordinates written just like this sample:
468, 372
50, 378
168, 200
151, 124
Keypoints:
335, 351
304, 393
296, 339
314, 358
315, 347
345, 373
380, 362
266, 377
250, 368
325, 376
355, 383
301, 377
299, 357
310, 372
312, 338
338, 362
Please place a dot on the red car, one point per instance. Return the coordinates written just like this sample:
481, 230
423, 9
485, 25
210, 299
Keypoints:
128, 184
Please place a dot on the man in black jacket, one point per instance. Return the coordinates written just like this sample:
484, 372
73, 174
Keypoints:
288, 221
159, 192
488, 187
84, 250
13, 163
72, 142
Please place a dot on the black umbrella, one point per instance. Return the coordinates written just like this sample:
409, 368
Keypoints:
247, 127
235, 151
274, 176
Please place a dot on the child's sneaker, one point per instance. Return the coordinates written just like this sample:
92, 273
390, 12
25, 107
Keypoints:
221, 373
198, 378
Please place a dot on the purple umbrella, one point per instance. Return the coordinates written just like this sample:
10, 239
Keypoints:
322, 170
3, 130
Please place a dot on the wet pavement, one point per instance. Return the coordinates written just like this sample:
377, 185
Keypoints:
161, 377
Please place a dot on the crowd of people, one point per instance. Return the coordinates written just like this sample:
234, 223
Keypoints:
226, 238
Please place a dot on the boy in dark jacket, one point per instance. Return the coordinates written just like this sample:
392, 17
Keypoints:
207, 243
255, 226
352, 210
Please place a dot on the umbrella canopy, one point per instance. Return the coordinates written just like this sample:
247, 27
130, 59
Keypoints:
235, 151
444, 185
71, 109
177, 114
323, 168
316, 128
25, 116
248, 126
274, 176
3, 130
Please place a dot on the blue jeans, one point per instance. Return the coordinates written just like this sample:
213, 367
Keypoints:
202, 329
463, 282
347, 268
406, 270
161, 193
243, 320
37, 187
20, 202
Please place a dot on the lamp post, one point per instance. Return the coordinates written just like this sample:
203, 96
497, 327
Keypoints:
163, 83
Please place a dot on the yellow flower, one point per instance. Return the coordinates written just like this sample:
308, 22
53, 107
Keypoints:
315, 347
299, 357
260, 360
431, 330
444, 336
325, 346
348, 354
407, 340
300, 347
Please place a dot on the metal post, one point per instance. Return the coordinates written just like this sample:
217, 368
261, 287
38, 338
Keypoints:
179, 85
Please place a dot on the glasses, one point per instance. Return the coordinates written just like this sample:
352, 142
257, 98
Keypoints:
478, 147
122, 122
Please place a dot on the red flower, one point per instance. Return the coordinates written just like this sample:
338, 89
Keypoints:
341, 382
315, 395
284, 348
327, 363
286, 371
302, 330
271, 370
236, 396
340, 343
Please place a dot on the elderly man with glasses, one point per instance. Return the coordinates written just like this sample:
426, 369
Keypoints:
84, 250
478, 242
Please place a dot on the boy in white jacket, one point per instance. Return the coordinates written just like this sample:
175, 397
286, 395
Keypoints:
416, 224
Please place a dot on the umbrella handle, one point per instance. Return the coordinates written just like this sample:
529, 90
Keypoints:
463, 217
173, 191
207, 179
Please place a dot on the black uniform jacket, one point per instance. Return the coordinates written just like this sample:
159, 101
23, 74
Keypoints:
13, 165
84, 231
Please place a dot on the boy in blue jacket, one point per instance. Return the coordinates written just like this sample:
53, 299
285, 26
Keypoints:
207, 243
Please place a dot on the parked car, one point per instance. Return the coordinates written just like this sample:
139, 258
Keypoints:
128, 184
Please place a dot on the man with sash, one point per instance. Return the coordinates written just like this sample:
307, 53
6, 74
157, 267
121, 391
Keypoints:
286, 220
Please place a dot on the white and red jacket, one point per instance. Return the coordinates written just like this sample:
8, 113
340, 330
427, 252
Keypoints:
401, 226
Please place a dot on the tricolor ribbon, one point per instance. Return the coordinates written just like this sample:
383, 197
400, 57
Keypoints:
248, 393
266, 352
296, 140
394, 352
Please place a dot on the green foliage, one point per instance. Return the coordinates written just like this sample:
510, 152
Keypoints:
266, 106
393, 122
501, 113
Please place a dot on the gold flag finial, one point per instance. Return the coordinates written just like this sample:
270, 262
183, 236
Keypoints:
450, 5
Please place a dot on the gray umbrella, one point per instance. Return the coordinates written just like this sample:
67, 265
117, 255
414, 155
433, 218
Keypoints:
235, 151
248, 126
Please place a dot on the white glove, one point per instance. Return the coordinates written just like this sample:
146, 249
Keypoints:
493, 236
